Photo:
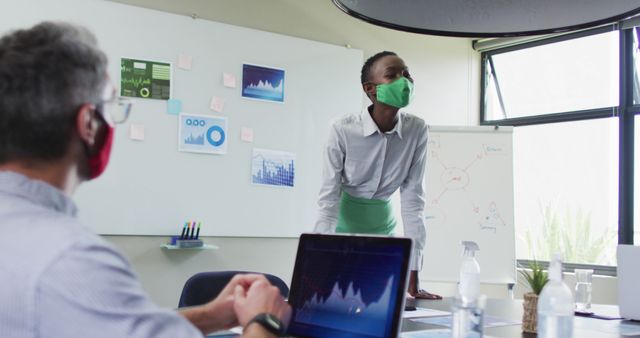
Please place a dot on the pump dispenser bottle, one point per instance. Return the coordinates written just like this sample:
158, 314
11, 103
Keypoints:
469, 287
468, 307
555, 305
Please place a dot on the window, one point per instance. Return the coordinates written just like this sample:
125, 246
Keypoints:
564, 200
571, 108
636, 206
636, 64
571, 75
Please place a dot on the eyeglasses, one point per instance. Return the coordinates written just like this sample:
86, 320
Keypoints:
115, 111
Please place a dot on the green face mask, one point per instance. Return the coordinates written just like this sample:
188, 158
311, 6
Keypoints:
396, 94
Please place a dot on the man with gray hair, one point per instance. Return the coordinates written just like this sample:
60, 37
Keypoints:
58, 110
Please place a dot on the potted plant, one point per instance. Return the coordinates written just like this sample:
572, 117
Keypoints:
535, 280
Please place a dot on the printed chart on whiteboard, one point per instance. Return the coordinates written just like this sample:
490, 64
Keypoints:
145, 79
202, 134
272, 167
263, 83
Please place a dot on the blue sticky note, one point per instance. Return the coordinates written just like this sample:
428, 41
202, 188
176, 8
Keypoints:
174, 107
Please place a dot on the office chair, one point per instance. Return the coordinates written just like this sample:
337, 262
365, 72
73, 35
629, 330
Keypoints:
205, 286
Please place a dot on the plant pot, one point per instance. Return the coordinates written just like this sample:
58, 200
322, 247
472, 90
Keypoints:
530, 314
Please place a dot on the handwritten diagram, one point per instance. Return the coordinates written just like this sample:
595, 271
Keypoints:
456, 182
469, 197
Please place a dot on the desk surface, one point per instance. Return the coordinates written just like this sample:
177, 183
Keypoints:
512, 310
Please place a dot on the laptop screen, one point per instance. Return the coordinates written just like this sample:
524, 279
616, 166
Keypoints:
348, 286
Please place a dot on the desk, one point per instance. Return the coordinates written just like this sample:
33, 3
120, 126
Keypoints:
512, 310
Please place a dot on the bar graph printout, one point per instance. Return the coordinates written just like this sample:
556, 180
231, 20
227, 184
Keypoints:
272, 167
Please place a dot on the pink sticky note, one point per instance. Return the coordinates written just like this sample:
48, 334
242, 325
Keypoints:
136, 132
246, 134
184, 61
217, 104
229, 80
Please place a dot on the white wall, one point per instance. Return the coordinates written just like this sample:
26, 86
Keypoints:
447, 77
163, 272
447, 85
446, 71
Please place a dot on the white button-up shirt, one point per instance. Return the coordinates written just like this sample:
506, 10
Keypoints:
367, 163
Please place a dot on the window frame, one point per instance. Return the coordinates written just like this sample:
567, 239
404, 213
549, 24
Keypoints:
566, 116
625, 112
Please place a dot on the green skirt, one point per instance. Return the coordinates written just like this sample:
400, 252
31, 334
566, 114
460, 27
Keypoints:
365, 216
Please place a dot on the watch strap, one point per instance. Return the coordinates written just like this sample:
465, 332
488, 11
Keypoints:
269, 322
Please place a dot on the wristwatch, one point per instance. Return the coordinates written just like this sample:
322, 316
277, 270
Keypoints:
270, 322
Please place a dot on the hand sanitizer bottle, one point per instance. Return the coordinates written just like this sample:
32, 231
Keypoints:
469, 287
555, 305
467, 313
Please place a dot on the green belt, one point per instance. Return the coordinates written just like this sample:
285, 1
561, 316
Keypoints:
365, 216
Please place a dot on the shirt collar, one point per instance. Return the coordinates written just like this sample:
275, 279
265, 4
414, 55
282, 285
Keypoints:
38, 192
370, 127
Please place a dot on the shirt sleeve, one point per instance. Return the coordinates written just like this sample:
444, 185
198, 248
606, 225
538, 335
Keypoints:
329, 197
412, 201
91, 291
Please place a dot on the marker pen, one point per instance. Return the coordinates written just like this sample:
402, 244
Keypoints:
184, 229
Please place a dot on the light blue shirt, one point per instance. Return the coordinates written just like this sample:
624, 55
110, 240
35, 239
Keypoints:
59, 279
367, 163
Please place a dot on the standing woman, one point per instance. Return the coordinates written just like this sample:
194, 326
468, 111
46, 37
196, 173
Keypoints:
371, 155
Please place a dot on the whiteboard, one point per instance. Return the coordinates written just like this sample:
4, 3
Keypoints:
469, 190
149, 187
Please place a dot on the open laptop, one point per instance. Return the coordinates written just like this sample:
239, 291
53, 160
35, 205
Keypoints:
629, 281
348, 286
